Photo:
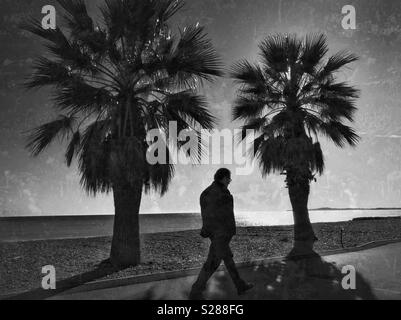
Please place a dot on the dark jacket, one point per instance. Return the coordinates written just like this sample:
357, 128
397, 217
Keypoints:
217, 208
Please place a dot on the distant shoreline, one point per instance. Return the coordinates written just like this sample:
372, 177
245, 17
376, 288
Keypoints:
88, 216
353, 209
13, 229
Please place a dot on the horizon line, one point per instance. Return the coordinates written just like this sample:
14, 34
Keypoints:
197, 212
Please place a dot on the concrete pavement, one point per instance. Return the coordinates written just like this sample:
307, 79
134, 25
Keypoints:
378, 276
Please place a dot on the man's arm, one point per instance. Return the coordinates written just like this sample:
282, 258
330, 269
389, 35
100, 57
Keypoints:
207, 215
225, 213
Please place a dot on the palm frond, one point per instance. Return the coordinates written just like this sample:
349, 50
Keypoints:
200, 149
279, 51
191, 108
194, 57
255, 125
247, 108
339, 89
339, 133
271, 155
94, 159
336, 108
57, 43
315, 48
40, 138
158, 176
79, 96
168, 8
48, 73
55, 36
335, 63
317, 163
78, 20
73, 148
245, 73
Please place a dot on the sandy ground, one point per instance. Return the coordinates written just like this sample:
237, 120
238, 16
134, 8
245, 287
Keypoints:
21, 263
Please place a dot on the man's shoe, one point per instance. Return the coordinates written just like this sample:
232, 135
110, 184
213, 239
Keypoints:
244, 288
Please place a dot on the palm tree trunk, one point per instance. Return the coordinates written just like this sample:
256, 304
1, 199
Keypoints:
304, 236
125, 248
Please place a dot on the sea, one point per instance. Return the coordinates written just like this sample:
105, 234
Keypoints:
14, 229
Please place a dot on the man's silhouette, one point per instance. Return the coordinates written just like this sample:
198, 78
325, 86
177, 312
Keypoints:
217, 207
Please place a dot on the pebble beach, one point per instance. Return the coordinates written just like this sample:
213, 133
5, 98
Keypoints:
21, 262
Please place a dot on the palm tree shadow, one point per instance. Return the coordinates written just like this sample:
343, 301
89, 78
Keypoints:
103, 269
305, 277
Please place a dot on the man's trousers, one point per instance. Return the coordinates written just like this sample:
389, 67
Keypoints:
219, 251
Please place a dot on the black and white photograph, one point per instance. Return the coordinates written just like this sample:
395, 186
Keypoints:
202, 152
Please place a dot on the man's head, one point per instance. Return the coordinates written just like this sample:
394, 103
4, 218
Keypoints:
223, 176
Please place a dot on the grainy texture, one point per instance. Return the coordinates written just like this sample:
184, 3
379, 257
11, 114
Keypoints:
368, 176
21, 263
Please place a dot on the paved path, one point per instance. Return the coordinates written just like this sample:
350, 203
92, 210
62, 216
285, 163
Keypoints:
378, 276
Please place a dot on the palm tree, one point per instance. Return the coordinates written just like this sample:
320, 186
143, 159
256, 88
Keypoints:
114, 80
289, 100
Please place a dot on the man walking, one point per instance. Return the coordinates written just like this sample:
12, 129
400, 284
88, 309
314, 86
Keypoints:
217, 207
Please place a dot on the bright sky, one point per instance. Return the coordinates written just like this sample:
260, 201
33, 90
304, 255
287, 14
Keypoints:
369, 176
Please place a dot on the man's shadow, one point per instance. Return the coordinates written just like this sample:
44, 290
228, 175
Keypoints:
297, 277
102, 270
